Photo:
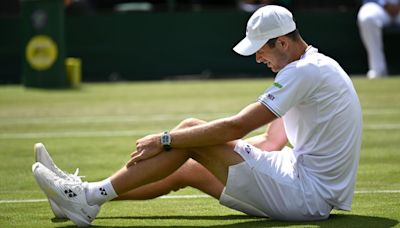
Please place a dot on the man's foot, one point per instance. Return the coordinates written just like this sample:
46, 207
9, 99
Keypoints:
42, 156
69, 196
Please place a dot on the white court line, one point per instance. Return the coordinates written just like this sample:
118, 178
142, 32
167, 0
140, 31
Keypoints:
376, 191
377, 112
108, 118
77, 134
91, 134
185, 196
24, 201
143, 118
197, 196
162, 197
385, 126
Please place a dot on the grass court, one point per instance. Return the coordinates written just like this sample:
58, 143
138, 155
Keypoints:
95, 128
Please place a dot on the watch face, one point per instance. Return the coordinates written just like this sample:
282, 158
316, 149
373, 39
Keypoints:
166, 139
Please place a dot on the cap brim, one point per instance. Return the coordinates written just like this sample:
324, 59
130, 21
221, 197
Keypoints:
248, 47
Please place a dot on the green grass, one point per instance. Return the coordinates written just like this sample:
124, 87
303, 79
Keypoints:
95, 128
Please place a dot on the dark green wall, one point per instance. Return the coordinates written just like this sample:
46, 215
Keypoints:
10, 51
148, 46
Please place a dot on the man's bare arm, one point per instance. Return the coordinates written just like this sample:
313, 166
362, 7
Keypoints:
212, 133
273, 139
223, 130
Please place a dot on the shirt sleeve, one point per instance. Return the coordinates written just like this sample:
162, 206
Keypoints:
291, 86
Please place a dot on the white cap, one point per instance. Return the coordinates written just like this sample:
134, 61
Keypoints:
266, 23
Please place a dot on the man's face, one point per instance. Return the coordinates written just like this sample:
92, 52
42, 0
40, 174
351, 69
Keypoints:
274, 57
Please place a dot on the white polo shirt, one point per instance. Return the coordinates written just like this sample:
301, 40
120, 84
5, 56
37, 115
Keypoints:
323, 123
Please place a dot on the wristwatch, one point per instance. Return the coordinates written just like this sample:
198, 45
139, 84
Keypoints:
166, 141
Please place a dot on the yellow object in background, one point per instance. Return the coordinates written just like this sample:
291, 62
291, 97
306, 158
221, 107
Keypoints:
74, 71
41, 52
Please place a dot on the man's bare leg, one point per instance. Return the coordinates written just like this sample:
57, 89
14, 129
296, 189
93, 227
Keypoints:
216, 159
190, 174
193, 174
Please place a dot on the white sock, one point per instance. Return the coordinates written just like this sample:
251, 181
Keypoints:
99, 192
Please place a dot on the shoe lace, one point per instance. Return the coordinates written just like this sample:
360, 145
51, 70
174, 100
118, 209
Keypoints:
75, 176
71, 177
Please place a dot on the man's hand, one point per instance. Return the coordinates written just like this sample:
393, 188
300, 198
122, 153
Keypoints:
146, 148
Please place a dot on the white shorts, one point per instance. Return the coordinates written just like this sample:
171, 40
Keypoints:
268, 185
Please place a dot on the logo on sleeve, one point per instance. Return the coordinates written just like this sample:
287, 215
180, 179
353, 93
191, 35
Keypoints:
271, 97
277, 85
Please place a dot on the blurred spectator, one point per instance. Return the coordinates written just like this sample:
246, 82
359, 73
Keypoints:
372, 17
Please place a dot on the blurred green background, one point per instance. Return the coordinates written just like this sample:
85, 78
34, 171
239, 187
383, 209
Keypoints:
182, 39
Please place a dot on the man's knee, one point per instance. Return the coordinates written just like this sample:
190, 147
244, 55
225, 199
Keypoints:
190, 122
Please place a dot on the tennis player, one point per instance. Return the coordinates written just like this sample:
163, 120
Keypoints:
312, 102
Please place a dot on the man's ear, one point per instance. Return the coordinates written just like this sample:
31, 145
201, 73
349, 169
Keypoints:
283, 42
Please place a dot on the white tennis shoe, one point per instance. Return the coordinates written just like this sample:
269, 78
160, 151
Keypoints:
69, 196
42, 156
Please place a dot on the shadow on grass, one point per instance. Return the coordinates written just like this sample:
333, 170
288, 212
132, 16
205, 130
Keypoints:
336, 220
